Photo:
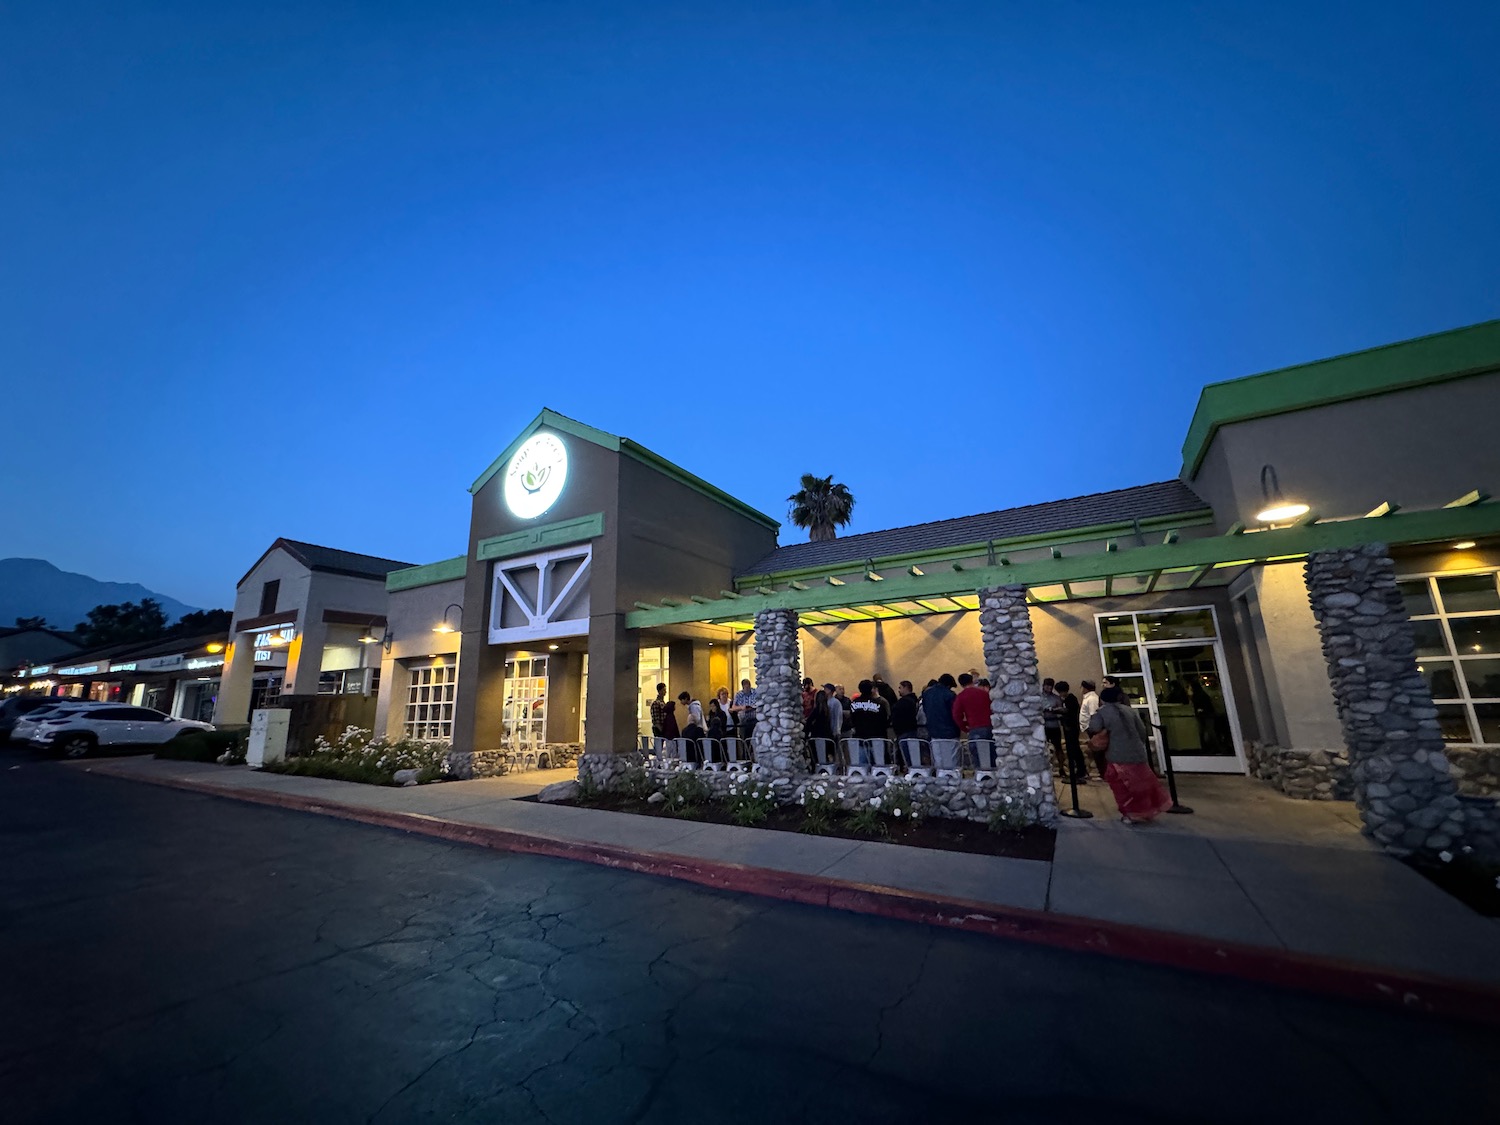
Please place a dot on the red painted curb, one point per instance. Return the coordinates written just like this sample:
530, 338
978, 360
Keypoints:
1302, 972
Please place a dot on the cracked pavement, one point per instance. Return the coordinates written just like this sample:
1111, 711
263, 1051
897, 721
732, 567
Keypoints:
176, 957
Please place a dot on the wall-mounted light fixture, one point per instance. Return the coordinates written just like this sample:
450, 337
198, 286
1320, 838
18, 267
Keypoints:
1465, 545
215, 646
1277, 508
368, 637
443, 626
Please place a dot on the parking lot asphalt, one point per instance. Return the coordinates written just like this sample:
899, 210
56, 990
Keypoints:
166, 956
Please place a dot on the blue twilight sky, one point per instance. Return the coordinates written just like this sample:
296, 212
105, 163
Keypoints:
303, 269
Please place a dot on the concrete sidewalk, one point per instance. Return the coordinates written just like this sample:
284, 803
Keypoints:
1293, 878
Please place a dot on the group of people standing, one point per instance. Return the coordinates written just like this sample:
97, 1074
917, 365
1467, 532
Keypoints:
946, 713
1117, 738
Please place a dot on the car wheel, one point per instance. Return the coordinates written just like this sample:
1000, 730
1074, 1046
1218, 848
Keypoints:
75, 745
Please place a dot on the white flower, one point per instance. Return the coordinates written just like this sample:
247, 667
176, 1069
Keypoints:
1446, 857
874, 802
896, 811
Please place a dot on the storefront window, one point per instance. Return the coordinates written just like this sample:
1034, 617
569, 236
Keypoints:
430, 695
1456, 626
524, 722
653, 670
1176, 625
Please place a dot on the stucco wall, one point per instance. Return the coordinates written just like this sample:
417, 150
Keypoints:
1419, 448
412, 614
911, 648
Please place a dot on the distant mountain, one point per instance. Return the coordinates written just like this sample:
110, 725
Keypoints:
36, 588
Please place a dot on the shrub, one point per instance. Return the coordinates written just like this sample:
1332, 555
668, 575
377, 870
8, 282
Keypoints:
820, 805
636, 783
898, 802
687, 793
1009, 813
355, 756
750, 800
203, 746
869, 819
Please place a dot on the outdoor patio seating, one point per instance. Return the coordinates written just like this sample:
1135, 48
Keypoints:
736, 755
825, 756
713, 754
911, 752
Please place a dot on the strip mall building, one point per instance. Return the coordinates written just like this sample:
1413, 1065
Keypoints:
595, 568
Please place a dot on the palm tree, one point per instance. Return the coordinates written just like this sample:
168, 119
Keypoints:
821, 506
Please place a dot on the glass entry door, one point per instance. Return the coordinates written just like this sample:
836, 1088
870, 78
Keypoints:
1171, 665
524, 724
1191, 711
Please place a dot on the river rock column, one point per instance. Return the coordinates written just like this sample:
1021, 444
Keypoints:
1022, 765
1403, 789
777, 738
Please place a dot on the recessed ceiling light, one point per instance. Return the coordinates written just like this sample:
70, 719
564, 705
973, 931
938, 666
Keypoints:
1464, 545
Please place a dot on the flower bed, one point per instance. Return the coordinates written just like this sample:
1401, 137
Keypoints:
895, 816
357, 756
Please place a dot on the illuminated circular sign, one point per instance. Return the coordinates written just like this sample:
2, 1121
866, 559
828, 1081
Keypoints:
535, 476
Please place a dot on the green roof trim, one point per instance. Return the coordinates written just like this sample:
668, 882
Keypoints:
1201, 518
1471, 522
560, 534
552, 420
429, 574
635, 451
1456, 354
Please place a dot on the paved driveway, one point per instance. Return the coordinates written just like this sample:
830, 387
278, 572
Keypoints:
171, 957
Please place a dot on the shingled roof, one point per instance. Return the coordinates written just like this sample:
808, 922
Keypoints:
1122, 505
330, 560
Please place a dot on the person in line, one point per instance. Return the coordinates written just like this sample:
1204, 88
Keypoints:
937, 705
847, 713
1086, 708
693, 726
659, 707
743, 709
819, 725
971, 714
904, 724
884, 689
871, 718
1139, 794
809, 691
718, 718
1052, 709
725, 702
835, 713
1077, 767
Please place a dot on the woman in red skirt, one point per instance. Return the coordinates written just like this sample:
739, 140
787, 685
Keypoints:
1138, 792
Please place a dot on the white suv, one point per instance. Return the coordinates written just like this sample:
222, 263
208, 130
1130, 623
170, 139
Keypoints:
75, 733
26, 725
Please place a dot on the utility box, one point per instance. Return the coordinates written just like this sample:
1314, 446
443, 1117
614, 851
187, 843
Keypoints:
268, 730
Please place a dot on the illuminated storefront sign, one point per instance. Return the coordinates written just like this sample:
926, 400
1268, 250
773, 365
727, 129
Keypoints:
126, 667
80, 670
40, 670
535, 477
205, 662
270, 640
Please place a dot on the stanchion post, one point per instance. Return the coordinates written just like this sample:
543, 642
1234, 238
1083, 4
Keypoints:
1166, 761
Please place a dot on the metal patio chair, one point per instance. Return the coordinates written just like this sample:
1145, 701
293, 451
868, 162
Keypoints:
713, 754
911, 751
736, 755
825, 756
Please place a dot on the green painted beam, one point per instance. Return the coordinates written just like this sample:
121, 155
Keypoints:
429, 574
563, 533
1203, 517
1471, 522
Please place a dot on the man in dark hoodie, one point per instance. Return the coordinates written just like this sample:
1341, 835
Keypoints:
937, 705
872, 720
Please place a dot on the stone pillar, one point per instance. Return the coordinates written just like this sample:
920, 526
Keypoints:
1405, 793
1022, 765
778, 695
